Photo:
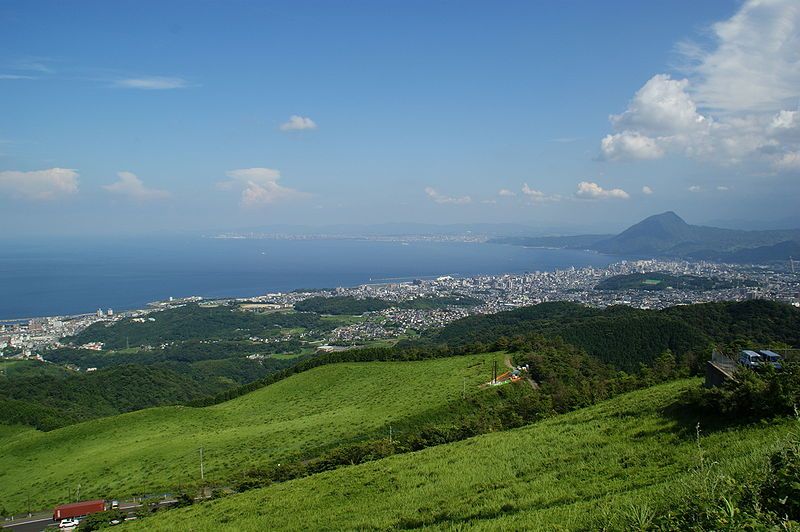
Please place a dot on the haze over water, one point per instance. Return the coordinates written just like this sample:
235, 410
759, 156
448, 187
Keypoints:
56, 277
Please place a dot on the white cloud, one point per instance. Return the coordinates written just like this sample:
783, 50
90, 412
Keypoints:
647, 190
151, 83
15, 76
660, 107
131, 186
785, 120
630, 145
694, 188
442, 199
733, 106
33, 64
505, 192
537, 196
260, 187
754, 64
722, 188
789, 161
298, 123
589, 190
39, 184
489, 201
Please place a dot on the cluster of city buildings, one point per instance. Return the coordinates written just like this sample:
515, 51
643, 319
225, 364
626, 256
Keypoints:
495, 293
504, 292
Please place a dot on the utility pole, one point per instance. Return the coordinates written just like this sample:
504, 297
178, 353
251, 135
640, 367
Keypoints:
78, 493
390, 434
202, 469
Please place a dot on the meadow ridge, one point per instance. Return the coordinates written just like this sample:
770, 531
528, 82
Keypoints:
157, 450
583, 470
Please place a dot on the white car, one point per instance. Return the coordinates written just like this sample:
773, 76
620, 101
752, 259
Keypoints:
750, 359
68, 524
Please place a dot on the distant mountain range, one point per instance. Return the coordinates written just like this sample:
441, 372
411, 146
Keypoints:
668, 235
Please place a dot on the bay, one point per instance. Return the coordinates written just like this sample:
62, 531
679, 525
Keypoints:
46, 277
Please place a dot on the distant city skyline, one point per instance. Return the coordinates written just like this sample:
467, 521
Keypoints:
141, 117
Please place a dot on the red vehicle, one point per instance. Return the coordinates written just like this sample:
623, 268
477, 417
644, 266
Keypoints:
78, 509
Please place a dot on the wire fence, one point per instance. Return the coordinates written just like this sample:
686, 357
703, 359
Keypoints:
723, 361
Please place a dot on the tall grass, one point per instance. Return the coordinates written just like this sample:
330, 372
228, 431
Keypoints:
157, 450
604, 467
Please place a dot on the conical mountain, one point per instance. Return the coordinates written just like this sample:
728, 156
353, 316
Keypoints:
654, 234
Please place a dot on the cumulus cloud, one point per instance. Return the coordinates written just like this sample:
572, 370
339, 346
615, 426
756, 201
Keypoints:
39, 184
589, 190
505, 192
694, 188
151, 83
260, 187
442, 199
298, 123
129, 185
722, 188
661, 106
537, 196
733, 106
647, 190
630, 145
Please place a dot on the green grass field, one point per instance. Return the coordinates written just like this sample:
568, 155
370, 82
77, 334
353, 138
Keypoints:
582, 470
7, 431
157, 450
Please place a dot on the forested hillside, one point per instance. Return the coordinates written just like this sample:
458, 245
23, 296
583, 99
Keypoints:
626, 337
354, 306
57, 397
194, 321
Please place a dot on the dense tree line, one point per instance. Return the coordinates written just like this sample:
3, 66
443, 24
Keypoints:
349, 305
47, 400
626, 337
188, 351
752, 394
192, 322
341, 305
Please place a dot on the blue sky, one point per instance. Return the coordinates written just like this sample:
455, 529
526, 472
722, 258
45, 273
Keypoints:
151, 116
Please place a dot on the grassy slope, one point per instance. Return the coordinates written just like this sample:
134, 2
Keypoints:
155, 449
7, 431
566, 472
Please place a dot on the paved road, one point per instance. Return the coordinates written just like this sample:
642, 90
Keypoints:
42, 521
32, 524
